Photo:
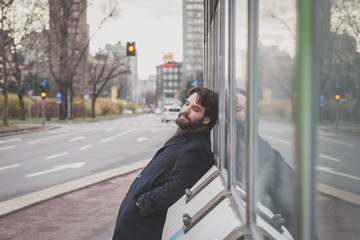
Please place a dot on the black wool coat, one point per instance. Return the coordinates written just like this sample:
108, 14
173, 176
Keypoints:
178, 165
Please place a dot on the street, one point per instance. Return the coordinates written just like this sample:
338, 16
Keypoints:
337, 164
35, 161
31, 162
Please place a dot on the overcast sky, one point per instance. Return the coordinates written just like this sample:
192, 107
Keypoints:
155, 26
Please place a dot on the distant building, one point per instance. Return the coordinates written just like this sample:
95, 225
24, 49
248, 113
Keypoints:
193, 35
148, 85
169, 82
75, 40
34, 47
148, 89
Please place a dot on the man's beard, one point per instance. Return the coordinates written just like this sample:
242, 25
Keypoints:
189, 124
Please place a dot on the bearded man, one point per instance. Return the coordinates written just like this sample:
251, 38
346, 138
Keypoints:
178, 165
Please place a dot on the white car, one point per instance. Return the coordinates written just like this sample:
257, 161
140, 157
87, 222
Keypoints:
170, 113
157, 111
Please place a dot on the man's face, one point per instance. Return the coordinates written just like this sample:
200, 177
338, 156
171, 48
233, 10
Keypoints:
240, 107
192, 114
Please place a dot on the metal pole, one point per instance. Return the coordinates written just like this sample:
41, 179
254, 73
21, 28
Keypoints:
68, 103
29, 107
337, 114
43, 112
251, 139
111, 83
307, 83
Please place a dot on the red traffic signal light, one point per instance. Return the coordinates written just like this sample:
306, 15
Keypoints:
130, 49
337, 97
43, 94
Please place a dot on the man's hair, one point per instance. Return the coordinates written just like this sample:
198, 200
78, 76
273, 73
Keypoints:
208, 99
241, 91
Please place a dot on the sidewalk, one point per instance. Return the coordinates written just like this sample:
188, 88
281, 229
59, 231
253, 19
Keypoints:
89, 213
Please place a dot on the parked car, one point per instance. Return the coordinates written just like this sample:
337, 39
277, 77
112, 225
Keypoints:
127, 111
170, 113
158, 111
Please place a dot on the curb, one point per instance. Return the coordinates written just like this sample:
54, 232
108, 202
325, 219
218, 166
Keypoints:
14, 131
25, 201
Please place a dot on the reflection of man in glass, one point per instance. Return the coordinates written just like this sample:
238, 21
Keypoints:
273, 178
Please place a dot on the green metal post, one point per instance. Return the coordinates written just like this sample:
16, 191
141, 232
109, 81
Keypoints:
306, 96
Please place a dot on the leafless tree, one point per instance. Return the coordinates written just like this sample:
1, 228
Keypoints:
67, 55
16, 20
19, 22
102, 70
5, 40
349, 14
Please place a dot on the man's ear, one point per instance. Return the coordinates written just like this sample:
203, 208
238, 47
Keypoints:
206, 120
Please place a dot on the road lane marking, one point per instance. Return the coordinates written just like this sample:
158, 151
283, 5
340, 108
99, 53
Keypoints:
338, 193
141, 139
336, 141
330, 158
15, 204
10, 166
10, 140
56, 136
323, 133
57, 155
76, 139
58, 168
330, 170
85, 147
8, 147
116, 136
277, 139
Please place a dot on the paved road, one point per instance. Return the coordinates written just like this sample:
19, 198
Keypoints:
31, 162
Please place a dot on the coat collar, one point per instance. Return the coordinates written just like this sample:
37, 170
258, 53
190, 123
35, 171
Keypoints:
184, 138
187, 137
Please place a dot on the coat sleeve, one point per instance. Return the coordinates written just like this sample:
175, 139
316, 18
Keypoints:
192, 163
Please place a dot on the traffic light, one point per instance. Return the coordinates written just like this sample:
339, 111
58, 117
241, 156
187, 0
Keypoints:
337, 97
130, 49
43, 94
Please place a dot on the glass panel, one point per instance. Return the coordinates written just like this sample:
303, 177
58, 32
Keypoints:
274, 136
240, 78
338, 166
220, 83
